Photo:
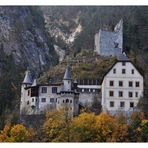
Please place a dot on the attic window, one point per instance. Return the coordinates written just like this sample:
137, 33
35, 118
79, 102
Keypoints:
114, 70
132, 71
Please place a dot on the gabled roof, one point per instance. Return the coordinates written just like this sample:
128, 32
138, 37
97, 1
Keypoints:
67, 75
28, 78
121, 58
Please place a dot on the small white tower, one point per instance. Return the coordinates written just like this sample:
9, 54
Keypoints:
67, 79
24, 93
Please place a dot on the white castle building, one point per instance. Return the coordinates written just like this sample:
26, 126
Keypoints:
122, 87
37, 99
120, 91
110, 43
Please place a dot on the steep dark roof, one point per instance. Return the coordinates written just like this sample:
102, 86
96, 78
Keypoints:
67, 75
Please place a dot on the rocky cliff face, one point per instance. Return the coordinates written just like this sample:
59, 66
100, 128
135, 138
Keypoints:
23, 35
63, 23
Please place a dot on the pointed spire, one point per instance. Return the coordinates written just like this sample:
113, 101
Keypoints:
67, 75
27, 79
34, 82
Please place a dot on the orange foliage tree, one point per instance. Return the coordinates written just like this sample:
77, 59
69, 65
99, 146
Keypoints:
57, 127
16, 133
83, 128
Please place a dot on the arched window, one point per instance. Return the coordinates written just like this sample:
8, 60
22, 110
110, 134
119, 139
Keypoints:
67, 100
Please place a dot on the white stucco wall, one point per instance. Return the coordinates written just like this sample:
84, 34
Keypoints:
48, 95
118, 76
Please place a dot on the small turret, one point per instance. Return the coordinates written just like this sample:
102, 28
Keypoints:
67, 79
28, 79
24, 93
34, 82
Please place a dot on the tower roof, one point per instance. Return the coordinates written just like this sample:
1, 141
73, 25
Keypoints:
67, 75
28, 78
34, 82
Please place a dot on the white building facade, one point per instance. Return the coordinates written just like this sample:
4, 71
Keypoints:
38, 99
122, 87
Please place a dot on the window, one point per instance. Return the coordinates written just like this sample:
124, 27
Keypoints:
114, 70
63, 101
67, 100
28, 92
32, 99
120, 83
130, 84
111, 83
70, 101
120, 94
136, 94
27, 102
86, 90
122, 104
123, 71
54, 89
43, 100
123, 63
111, 93
111, 103
137, 84
132, 71
131, 104
130, 94
44, 89
56, 99
52, 100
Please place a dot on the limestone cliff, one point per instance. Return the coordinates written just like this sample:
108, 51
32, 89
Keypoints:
23, 35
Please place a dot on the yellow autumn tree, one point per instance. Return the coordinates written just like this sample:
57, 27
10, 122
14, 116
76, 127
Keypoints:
134, 126
57, 127
143, 130
16, 133
105, 126
121, 132
83, 128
